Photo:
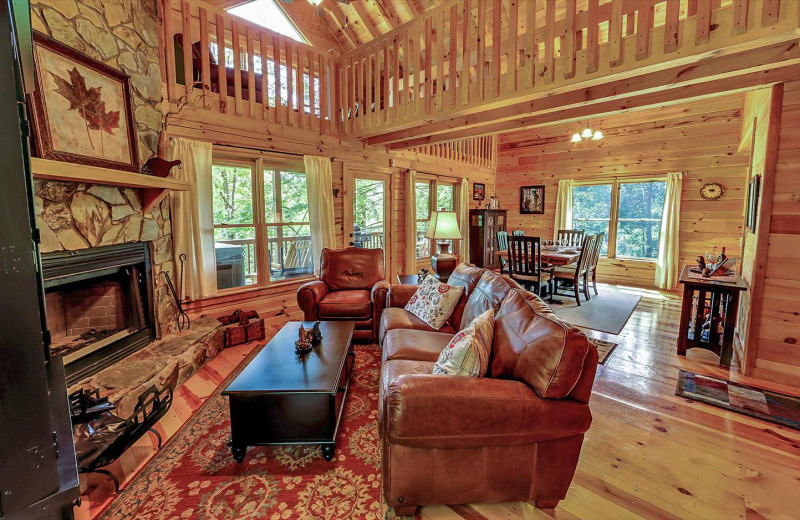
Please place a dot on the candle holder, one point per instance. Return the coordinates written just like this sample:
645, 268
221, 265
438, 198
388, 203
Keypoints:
304, 342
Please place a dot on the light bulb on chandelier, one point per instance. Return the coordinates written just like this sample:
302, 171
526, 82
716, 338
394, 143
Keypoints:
586, 135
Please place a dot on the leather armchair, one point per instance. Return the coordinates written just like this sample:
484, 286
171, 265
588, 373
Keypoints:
352, 286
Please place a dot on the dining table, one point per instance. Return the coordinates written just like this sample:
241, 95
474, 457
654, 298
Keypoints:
555, 256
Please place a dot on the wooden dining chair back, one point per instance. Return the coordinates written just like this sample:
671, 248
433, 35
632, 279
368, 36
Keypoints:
598, 246
525, 263
518, 232
575, 273
502, 245
570, 237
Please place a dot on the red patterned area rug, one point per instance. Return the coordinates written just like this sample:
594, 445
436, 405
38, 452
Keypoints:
195, 476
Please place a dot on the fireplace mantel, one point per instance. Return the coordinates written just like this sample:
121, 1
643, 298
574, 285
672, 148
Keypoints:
154, 189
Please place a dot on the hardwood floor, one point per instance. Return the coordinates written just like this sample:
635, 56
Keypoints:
648, 455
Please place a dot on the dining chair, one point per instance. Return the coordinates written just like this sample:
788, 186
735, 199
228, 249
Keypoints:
502, 245
518, 232
570, 237
580, 271
598, 246
525, 264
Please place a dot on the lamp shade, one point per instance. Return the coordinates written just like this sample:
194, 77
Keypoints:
443, 226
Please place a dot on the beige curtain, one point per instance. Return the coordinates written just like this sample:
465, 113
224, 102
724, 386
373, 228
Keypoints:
193, 218
411, 223
563, 206
668, 262
463, 218
319, 182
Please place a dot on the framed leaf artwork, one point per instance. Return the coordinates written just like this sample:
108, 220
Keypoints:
81, 109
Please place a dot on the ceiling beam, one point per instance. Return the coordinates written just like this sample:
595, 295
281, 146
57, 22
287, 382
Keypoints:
739, 82
347, 31
363, 15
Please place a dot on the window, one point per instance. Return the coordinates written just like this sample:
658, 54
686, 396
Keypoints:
261, 224
629, 213
432, 195
267, 13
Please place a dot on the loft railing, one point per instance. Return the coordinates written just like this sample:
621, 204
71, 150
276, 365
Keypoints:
478, 151
466, 55
259, 73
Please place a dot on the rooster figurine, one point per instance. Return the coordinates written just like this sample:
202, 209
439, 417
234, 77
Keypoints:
159, 167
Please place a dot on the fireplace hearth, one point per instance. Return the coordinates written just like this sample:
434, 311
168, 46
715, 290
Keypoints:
99, 306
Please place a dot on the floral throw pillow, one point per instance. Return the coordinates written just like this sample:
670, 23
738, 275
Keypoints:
467, 354
434, 302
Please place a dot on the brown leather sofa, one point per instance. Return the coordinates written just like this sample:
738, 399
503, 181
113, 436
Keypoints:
513, 435
352, 286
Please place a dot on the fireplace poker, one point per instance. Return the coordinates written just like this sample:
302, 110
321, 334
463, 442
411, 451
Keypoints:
182, 318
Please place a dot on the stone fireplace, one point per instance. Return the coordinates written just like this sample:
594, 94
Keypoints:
99, 305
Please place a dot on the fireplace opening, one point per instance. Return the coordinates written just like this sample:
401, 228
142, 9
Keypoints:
99, 306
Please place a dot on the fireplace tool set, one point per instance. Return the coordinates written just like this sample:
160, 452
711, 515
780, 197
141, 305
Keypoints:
182, 318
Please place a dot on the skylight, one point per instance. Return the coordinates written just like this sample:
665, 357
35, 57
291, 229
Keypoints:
267, 13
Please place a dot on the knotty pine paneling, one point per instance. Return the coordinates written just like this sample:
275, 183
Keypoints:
701, 139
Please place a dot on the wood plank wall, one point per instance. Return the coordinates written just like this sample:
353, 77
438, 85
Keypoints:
774, 353
278, 303
700, 138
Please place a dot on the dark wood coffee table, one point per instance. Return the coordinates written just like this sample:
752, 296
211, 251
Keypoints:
283, 398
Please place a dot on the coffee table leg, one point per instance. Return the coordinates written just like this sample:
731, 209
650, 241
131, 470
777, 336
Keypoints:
238, 452
328, 451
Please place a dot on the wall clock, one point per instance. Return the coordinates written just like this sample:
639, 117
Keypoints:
712, 191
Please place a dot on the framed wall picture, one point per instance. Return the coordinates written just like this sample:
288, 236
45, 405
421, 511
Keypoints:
751, 208
531, 200
478, 191
81, 109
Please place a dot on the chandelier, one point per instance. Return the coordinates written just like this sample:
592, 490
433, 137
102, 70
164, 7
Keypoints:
587, 135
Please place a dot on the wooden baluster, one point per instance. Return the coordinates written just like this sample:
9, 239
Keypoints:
416, 60
480, 63
513, 53
497, 46
644, 28
770, 12
237, 67
266, 113
222, 77
428, 50
325, 116
404, 99
290, 81
169, 31
205, 61
301, 89
395, 75
362, 86
616, 44
548, 70
280, 112
452, 72
740, 13
312, 97
251, 73
570, 48
691, 7
350, 110
338, 97
439, 58
593, 38
466, 50
531, 46
188, 69
703, 22
370, 93
386, 115
672, 25
630, 24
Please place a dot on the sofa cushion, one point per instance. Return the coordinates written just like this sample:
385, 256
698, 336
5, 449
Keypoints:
346, 304
434, 302
466, 276
532, 345
399, 318
414, 345
351, 268
489, 293
467, 353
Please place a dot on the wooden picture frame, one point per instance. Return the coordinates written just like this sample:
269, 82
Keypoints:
531, 200
751, 203
81, 109
478, 191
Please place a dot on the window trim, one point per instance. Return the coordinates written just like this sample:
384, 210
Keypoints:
433, 182
258, 162
613, 220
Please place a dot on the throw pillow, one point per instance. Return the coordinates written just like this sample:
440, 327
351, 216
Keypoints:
434, 302
467, 354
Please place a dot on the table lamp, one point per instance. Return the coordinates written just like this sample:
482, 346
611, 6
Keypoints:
443, 226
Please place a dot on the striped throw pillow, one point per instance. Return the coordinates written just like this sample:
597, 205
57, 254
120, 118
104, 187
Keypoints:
467, 354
